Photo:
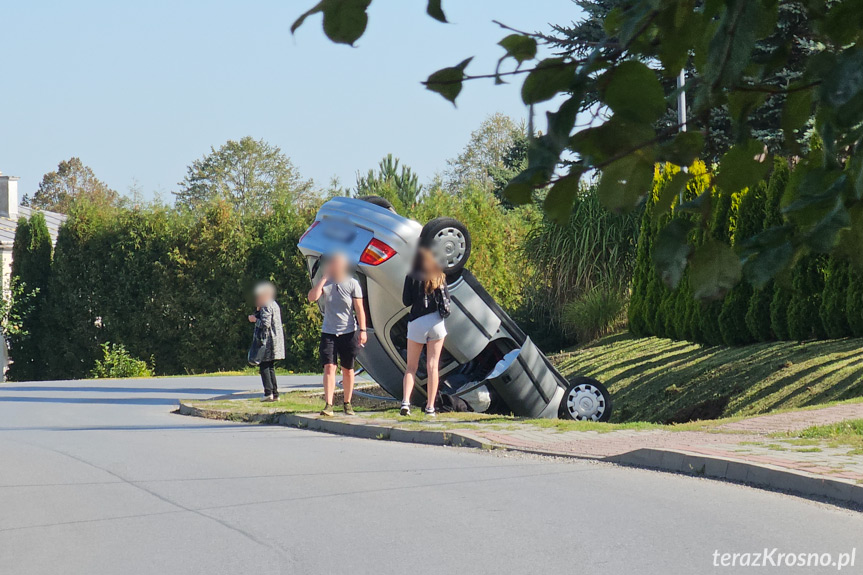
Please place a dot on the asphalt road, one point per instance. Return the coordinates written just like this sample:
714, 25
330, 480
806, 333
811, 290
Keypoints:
100, 478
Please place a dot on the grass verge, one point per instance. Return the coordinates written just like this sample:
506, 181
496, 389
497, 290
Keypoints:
310, 403
843, 434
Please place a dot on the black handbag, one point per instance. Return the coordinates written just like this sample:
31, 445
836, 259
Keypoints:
258, 349
442, 297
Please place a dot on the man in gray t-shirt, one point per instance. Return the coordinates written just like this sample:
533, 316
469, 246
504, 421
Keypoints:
344, 329
337, 302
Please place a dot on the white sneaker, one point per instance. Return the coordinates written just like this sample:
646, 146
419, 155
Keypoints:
429, 411
268, 398
406, 410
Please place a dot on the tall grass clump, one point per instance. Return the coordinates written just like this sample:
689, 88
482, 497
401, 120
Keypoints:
595, 248
596, 313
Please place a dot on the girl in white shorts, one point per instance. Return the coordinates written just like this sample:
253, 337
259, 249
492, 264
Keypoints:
426, 292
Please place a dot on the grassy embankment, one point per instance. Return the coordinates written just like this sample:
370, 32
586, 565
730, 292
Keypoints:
661, 380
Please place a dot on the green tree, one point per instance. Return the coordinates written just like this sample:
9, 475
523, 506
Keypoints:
742, 59
833, 312
73, 303
779, 309
766, 316
719, 231
487, 151
31, 269
251, 175
749, 211
854, 302
807, 285
636, 314
655, 290
400, 187
71, 182
792, 39
514, 162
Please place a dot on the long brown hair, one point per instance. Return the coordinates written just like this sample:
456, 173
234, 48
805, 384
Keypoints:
432, 274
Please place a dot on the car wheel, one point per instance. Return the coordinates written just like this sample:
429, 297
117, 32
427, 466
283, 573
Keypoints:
585, 400
379, 201
449, 240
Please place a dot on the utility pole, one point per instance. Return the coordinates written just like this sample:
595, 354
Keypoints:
681, 112
681, 100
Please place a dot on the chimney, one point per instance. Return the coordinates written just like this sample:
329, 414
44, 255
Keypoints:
8, 196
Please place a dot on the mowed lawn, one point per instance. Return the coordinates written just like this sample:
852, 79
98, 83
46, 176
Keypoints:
662, 380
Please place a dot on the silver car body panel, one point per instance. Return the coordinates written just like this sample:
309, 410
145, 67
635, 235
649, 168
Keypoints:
530, 387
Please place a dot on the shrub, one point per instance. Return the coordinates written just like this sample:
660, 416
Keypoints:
758, 313
717, 230
833, 313
641, 272
763, 317
807, 284
31, 271
779, 310
653, 308
117, 363
595, 313
732, 318
681, 309
854, 302
748, 211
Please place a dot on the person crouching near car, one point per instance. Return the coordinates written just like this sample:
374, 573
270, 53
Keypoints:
426, 293
344, 329
268, 324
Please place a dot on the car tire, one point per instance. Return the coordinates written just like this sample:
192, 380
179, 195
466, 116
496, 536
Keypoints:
449, 240
585, 399
379, 201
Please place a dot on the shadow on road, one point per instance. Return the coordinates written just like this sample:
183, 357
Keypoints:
90, 389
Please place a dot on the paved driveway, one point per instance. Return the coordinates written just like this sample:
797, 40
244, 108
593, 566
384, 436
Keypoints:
98, 477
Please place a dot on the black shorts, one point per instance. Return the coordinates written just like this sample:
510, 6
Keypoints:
343, 346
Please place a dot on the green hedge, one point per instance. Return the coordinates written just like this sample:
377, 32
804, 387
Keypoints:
174, 286
819, 297
31, 270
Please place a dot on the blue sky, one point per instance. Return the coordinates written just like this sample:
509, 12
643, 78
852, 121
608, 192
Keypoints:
139, 90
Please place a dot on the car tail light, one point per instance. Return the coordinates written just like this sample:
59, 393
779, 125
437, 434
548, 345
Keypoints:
311, 227
376, 253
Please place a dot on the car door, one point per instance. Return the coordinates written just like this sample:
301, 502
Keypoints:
472, 323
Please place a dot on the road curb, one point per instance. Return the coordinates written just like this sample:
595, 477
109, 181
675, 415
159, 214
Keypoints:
359, 430
675, 461
738, 471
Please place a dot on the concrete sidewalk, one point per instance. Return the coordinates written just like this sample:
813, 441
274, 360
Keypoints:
743, 451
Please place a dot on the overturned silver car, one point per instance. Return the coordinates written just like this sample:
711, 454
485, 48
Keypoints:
488, 361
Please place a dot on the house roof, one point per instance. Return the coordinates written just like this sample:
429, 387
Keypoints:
8, 225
